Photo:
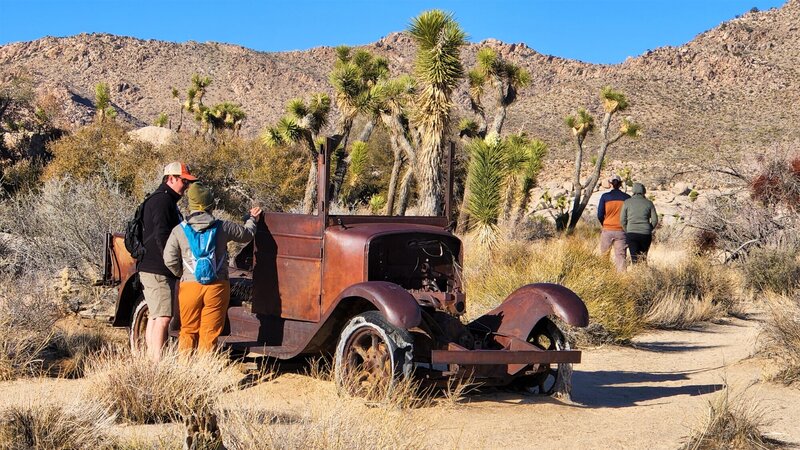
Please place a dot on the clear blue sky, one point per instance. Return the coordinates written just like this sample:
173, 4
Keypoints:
600, 31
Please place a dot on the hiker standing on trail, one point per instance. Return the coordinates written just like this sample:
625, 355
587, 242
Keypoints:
160, 214
197, 252
608, 213
639, 219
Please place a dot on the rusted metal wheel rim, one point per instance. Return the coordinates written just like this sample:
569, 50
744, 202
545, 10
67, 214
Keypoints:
139, 327
548, 337
368, 361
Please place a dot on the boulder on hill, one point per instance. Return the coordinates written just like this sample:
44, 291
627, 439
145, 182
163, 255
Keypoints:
156, 136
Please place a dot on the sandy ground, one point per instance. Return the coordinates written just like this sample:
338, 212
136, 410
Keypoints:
650, 396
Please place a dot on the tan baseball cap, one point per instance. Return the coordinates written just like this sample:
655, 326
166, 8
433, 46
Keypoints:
179, 169
614, 178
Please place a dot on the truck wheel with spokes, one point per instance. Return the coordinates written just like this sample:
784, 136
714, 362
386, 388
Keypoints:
138, 328
371, 356
550, 379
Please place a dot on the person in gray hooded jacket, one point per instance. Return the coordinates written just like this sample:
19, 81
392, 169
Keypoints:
638, 219
203, 306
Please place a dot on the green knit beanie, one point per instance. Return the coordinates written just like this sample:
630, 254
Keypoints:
200, 198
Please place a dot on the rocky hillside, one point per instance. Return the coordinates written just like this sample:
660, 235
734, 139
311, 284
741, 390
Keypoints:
730, 90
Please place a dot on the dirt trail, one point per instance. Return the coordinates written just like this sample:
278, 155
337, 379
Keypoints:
645, 397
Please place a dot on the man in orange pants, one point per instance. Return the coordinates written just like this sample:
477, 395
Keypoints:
196, 252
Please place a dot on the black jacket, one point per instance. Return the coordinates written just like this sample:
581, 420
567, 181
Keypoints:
159, 217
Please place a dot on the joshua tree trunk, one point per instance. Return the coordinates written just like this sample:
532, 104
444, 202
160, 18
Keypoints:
405, 190
429, 164
398, 162
463, 213
311, 183
586, 189
311, 188
576, 184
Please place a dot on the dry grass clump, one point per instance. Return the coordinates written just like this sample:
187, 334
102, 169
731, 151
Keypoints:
27, 317
140, 391
732, 422
783, 336
69, 351
691, 291
572, 262
343, 424
772, 269
49, 427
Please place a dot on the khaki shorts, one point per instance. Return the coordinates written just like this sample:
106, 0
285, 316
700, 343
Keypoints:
158, 293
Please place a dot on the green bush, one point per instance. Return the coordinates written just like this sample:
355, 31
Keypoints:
772, 269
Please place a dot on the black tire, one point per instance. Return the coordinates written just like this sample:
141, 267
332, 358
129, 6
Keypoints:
371, 356
549, 380
136, 332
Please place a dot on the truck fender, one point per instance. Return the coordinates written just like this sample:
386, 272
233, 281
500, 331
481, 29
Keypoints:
520, 311
128, 295
396, 304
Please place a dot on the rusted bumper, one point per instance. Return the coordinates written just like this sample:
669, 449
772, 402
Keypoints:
491, 357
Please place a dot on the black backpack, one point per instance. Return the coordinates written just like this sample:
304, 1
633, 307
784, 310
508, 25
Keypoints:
134, 242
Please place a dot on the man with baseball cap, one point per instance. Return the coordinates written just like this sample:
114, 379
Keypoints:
160, 215
608, 211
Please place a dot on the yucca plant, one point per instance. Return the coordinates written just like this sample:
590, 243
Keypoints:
581, 125
302, 124
359, 155
438, 69
488, 165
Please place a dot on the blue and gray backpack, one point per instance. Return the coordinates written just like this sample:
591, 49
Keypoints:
203, 245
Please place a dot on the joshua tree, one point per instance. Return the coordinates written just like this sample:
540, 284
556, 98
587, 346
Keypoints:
302, 124
582, 124
438, 69
523, 164
390, 98
224, 116
102, 102
506, 79
194, 99
354, 75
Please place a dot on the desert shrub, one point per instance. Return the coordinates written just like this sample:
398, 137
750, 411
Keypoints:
243, 172
105, 148
771, 269
49, 427
782, 332
530, 228
139, 391
572, 262
27, 317
64, 224
732, 422
680, 295
20, 176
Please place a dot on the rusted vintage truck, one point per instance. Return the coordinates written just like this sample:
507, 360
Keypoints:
383, 295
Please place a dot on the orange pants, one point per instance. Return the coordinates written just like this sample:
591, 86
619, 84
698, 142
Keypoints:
203, 308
